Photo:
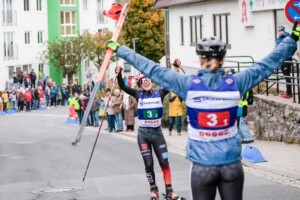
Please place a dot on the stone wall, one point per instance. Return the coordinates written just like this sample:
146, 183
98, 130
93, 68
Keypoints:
276, 119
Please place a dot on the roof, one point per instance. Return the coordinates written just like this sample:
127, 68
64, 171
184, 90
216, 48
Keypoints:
169, 3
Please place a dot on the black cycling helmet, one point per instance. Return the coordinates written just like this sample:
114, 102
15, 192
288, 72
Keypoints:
211, 47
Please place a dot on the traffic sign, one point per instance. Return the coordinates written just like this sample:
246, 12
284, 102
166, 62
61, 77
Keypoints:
292, 10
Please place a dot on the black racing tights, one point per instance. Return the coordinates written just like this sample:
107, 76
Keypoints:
152, 138
229, 179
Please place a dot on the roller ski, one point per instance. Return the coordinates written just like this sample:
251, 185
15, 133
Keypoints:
172, 196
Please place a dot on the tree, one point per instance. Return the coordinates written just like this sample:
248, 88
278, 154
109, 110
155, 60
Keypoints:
147, 24
65, 55
94, 46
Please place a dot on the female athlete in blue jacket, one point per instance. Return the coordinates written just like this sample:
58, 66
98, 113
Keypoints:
214, 145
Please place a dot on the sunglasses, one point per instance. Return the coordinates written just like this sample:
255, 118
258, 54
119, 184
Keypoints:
144, 80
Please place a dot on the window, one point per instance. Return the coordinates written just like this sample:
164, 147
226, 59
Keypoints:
40, 37
26, 68
38, 5
68, 2
181, 31
85, 4
26, 5
41, 67
100, 7
27, 37
11, 70
8, 44
68, 23
7, 12
221, 29
196, 29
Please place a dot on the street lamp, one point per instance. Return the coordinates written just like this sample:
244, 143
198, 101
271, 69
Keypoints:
133, 42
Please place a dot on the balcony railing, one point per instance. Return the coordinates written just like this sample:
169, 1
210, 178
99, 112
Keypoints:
10, 52
9, 18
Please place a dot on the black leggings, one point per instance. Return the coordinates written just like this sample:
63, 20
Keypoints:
286, 70
149, 138
229, 179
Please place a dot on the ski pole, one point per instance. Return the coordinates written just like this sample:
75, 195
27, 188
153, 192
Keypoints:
106, 106
104, 67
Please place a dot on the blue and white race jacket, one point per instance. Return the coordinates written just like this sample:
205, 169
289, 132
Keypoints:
150, 109
212, 122
179, 84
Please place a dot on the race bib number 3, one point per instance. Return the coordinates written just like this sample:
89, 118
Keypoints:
214, 119
150, 114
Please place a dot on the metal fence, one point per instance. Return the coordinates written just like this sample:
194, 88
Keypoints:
274, 81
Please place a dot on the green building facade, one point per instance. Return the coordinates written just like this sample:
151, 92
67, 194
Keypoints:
63, 21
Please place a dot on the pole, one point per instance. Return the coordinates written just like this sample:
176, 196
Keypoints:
106, 106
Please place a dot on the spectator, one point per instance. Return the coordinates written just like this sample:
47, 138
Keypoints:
59, 96
16, 83
26, 81
286, 67
125, 80
21, 99
77, 106
76, 88
117, 105
129, 103
53, 97
40, 82
95, 111
109, 111
130, 81
36, 98
64, 92
41, 96
20, 77
48, 96
32, 78
33, 97
13, 100
5, 99
28, 98
90, 86
176, 110
1, 101
247, 99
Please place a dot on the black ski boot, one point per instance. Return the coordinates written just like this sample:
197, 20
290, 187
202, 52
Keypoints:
154, 193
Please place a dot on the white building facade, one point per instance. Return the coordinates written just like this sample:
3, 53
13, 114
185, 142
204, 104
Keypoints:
22, 35
25, 30
249, 27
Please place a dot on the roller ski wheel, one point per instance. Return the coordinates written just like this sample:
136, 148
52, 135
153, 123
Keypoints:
154, 195
172, 196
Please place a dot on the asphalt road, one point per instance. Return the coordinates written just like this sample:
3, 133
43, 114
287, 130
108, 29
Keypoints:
38, 162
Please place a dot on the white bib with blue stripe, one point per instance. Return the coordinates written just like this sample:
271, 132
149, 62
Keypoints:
150, 109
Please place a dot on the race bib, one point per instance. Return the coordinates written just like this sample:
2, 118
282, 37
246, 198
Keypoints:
150, 114
214, 119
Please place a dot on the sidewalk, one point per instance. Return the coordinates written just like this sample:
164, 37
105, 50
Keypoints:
283, 160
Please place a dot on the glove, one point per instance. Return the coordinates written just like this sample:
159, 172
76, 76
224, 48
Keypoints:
113, 45
176, 63
296, 31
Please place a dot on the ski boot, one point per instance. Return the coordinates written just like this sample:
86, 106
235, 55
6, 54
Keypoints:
171, 196
154, 193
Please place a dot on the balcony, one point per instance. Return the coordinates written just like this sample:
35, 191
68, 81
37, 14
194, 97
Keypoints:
10, 52
9, 18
